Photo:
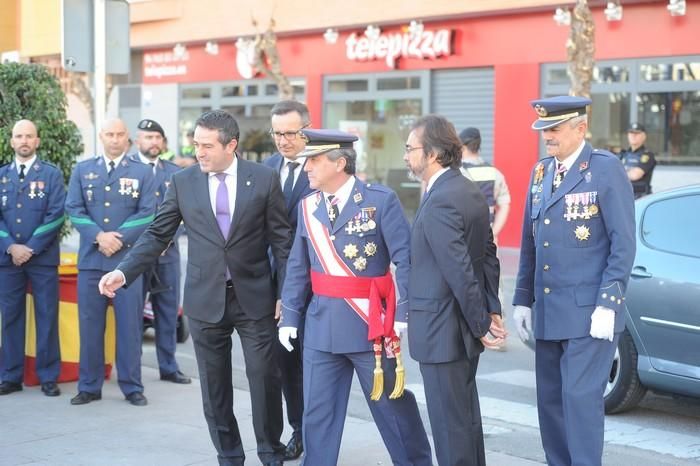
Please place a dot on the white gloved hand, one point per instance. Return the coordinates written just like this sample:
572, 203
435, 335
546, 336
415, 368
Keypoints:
603, 323
522, 315
284, 334
400, 328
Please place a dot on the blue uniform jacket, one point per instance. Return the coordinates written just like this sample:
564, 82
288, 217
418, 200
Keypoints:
31, 211
96, 202
164, 171
578, 245
331, 324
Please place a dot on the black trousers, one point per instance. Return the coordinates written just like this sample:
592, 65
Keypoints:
454, 412
213, 345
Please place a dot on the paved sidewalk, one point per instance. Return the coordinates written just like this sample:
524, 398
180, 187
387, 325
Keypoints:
38, 430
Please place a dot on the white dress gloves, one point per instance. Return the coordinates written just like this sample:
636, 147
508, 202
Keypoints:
522, 315
603, 323
400, 328
285, 334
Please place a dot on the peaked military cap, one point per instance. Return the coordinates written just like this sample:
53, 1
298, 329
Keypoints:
636, 128
151, 125
320, 141
553, 111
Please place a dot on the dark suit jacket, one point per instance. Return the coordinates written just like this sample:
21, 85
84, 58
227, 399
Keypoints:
259, 221
453, 284
301, 187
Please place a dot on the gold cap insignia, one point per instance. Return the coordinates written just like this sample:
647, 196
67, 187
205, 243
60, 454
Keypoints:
540, 110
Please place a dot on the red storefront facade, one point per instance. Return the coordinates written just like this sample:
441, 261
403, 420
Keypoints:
514, 50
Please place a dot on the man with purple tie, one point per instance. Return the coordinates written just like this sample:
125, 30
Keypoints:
234, 211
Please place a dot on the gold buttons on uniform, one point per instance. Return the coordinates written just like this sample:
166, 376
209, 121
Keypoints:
107, 188
546, 221
19, 206
107, 204
17, 235
547, 290
332, 237
546, 244
605, 295
106, 220
19, 220
546, 266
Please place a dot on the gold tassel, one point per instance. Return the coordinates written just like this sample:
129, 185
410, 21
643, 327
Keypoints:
378, 386
400, 378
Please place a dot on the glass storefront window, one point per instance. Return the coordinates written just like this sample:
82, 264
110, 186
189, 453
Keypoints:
609, 121
611, 74
392, 84
383, 127
683, 71
672, 121
348, 85
188, 115
196, 93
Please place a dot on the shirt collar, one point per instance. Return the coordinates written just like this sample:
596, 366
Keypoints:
146, 160
231, 170
343, 193
27, 165
569, 161
116, 161
299, 160
435, 176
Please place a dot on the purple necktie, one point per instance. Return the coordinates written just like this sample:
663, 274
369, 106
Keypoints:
223, 215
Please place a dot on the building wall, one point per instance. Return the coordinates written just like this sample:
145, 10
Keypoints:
8, 25
40, 27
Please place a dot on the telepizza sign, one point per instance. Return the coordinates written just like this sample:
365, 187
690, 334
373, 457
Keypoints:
429, 44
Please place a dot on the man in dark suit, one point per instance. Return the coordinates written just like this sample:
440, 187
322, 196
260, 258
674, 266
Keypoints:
233, 211
453, 290
162, 281
576, 256
289, 117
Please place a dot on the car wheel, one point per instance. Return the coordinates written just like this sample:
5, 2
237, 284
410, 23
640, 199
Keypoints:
623, 391
183, 329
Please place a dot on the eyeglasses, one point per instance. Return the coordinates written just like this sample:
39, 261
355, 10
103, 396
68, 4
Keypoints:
288, 135
410, 149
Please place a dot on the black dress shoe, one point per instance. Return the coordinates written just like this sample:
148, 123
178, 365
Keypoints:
83, 398
137, 399
50, 389
294, 448
10, 387
176, 377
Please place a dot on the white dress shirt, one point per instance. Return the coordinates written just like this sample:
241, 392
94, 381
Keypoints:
27, 165
342, 194
116, 161
569, 161
284, 172
231, 183
434, 178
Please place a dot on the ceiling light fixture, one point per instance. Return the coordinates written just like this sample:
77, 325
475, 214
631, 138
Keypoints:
330, 36
613, 12
676, 7
562, 17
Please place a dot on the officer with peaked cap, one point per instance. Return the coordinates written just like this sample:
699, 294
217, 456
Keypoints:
347, 236
576, 255
162, 281
639, 161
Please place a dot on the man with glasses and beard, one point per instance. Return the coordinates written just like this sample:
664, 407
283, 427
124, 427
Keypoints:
163, 280
288, 118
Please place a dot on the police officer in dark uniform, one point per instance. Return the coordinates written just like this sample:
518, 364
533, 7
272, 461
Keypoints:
32, 195
110, 201
576, 256
163, 280
639, 162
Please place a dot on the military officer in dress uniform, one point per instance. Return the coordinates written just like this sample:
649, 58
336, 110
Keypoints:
639, 162
110, 201
347, 236
31, 216
163, 280
576, 255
